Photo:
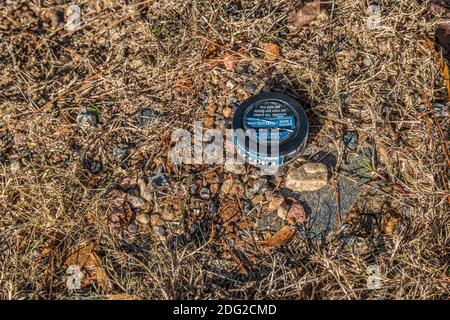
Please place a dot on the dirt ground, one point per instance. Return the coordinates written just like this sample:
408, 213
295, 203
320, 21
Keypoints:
88, 192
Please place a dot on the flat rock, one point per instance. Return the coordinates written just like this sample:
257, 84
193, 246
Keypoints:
309, 177
321, 206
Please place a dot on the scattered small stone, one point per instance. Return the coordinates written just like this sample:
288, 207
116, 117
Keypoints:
441, 110
204, 194
15, 166
160, 232
87, 118
390, 221
208, 121
143, 219
172, 215
145, 116
268, 222
93, 166
227, 112
274, 202
282, 212
132, 228
247, 206
296, 213
231, 84
309, 177
19, 138
250, 87
156, 220
159, 180
137, 202
350, 139
260, 186
118, 152
211, 109
137, 64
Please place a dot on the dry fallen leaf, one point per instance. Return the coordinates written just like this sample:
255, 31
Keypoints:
272, 51
229, 209
230, 61
119, 211
282, 236
86, 258
305, 15
297, 213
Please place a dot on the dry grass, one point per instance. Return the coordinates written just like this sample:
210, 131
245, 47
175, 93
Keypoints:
166, 54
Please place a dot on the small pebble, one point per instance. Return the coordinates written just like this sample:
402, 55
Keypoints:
204, 194
118, 152
143, 219
250, 87
231, 84
282, 212
159, 180
137, 202
350, 139
145, 117
132, 228
93, 166
227, 112
15, 166
87, 118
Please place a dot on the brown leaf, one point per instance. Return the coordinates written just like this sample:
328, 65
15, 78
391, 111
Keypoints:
272, 51
282, 236
305, 15
119, 211
229, 209
230, 61
297, 213
80, 256
86, 258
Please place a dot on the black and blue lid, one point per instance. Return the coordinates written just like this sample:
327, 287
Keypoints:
272, 118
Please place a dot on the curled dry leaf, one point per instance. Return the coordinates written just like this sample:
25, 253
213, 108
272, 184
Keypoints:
282, 236
119, 211
230, 61
272, 51
305, 15
296, 212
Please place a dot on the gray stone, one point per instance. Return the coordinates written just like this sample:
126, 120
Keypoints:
350, 139
87, 118
118, 152
132, 228
137, 202
159, 180
145, 116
